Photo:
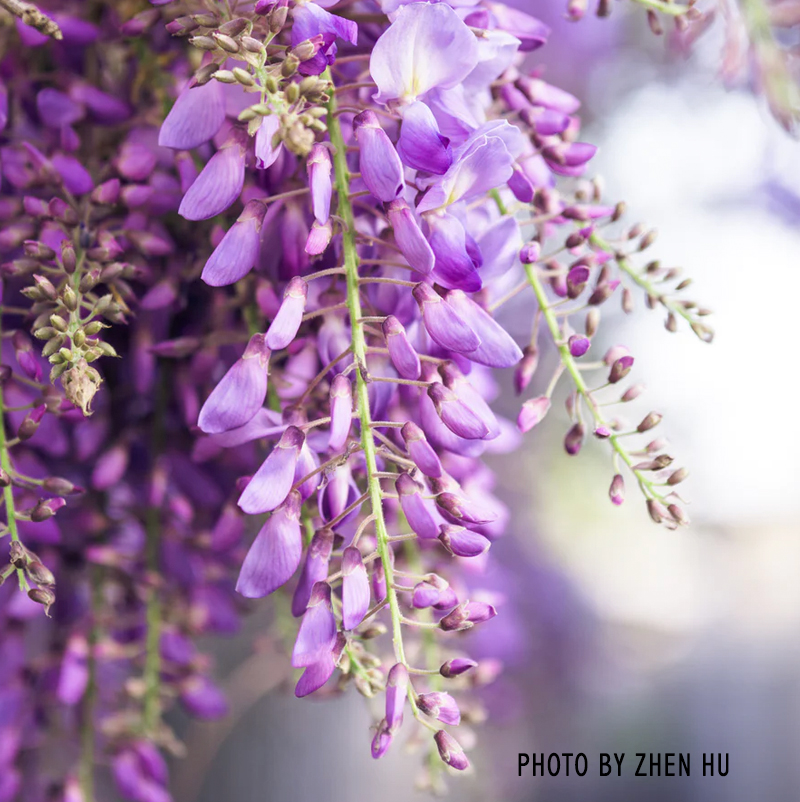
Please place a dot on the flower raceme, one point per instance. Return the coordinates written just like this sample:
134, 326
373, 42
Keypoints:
321, 236
397, 319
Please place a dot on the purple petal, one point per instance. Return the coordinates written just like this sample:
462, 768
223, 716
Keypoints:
396, 692
443, 323
341, 412
421, 451
315, 569
271, 484
455, 414
420, 145
237, 253
218, 185
57, 109
381, 168
409, 237
196, 116
315, 676
286, 324
266, 152
401, 352
497, 348
317, 634
454, 267
415, 509
241, 392
462, 542
355, 589
319, 180
427, 46
275, 553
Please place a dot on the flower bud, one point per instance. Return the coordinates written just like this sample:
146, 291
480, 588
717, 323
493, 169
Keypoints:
46, 509
43, 596
676, 477
456, 667
450, 751
526, 368
440, 706
578, 345
40, 574
650, 420
620, 369
617, 490
574, 439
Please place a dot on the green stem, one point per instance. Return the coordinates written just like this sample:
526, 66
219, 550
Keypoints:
640, 280
673, 9
350, 253
151, 703
572, 368
8, 492
86, 767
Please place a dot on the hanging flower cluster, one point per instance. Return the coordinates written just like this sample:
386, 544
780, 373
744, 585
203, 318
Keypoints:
314, 233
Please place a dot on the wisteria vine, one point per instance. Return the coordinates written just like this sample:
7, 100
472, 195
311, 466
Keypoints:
266, 252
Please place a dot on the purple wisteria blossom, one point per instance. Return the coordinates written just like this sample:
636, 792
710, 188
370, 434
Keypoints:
257, 262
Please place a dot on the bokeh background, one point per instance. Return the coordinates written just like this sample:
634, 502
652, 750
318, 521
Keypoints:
618, 635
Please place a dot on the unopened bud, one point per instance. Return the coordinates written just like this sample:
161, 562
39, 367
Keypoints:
227, 43
574, 439
289, 66
43, 596
679, 514
46, 509
676, 477
617, 490
40, 574
632, 393
650, 420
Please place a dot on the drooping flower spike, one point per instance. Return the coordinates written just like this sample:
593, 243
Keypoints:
305, 237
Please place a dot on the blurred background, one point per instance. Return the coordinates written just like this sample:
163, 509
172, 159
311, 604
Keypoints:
619, 636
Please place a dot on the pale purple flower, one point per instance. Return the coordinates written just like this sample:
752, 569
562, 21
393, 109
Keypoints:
237, 253
450, 751
420, 145
286, 324
341, 412
409, 237
401, 352
497, 348
319, 168
456, 667
396, 690
266, 149
275, 554
241, 392
444, 324
355, 589
462, 542
440, 706
420, 450
317, 634
426, 47
315, 569
532, 413
415, 508
219, 184
381, 168
271, 484
456, 415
